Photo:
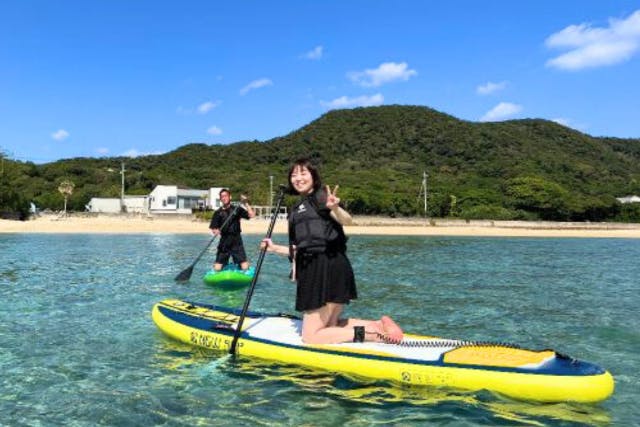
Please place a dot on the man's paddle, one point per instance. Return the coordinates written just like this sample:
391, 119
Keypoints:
185, 274
245, 308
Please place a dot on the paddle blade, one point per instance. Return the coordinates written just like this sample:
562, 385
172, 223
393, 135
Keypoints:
185, 274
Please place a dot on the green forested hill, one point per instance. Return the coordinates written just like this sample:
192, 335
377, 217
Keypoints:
520, 169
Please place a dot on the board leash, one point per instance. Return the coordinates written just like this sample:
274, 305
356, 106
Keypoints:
446, 343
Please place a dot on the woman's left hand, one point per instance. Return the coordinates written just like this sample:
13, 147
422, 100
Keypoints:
332, 197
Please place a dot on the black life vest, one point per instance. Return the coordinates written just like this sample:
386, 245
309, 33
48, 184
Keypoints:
312, 229
233, 226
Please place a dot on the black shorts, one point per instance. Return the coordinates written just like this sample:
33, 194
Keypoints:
231, 248
323, 278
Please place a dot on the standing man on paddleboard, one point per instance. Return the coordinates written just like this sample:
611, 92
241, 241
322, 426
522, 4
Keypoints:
325, 280
230, 245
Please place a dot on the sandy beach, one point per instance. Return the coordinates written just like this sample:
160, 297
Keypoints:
83, 223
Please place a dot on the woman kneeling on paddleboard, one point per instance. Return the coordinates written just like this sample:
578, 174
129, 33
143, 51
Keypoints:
325, 281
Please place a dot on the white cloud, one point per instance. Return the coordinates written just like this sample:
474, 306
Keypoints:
314, 54
595, 47
102, 151
385, 73
358, 101
214, 130
60, 135
205, 107
501, 111
256, 84
490, 87
570, 124
562, 121
135, 153
132, 153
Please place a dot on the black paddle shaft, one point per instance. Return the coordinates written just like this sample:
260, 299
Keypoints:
185, 274
263, 251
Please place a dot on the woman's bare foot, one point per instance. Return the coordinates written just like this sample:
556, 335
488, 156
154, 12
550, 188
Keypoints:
391, 329
375, 332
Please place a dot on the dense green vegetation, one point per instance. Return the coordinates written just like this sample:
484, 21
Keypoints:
519, 169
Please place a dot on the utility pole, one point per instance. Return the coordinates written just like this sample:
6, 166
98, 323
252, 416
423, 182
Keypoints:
3, 154
423, 190
270, 194
426, 215
122, 170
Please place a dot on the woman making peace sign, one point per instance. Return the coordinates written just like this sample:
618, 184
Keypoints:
325, 281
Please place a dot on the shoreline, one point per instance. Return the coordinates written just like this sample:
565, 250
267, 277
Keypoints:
362, 225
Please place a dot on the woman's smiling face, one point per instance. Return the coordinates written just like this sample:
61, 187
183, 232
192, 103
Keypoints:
302, 180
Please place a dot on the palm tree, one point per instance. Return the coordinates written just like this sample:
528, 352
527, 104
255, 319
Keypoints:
66, 189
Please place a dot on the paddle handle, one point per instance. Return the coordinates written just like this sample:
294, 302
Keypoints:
247, 300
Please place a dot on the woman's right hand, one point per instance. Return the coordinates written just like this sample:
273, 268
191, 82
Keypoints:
269, 246
266, 244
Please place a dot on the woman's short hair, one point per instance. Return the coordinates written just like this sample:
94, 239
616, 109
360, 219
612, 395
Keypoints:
313, 170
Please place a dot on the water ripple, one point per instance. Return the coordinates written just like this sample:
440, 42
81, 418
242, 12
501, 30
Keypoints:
78, 347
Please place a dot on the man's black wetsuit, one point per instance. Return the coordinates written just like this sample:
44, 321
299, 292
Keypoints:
230, 244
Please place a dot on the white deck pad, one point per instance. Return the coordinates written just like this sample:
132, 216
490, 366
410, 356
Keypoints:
288, 331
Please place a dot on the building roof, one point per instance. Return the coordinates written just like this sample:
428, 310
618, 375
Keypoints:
187, 192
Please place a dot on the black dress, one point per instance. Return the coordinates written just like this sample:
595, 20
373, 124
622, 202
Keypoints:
322, 278
323, 275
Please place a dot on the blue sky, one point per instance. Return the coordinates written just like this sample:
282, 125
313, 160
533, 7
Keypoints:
111, 77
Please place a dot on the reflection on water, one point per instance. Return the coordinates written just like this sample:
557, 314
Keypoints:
316, 390
228, 297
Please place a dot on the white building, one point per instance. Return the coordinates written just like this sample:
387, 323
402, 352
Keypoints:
136, 204
164, 199
171, 199
628, 199
132, 204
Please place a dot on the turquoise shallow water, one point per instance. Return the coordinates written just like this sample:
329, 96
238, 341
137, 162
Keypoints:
78, 347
